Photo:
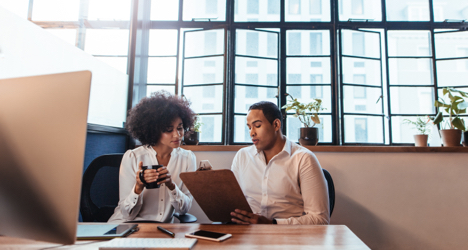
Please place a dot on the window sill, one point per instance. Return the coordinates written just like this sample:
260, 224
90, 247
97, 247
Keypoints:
389, 149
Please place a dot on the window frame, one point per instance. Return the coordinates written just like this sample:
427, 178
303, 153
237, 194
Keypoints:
140, 23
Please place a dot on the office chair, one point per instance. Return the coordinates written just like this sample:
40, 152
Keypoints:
100, 191
331, 189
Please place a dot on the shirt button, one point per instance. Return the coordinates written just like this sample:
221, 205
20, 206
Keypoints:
160, 213
161, 199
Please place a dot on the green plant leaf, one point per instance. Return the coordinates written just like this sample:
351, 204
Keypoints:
438, 118
315, 119
458, 123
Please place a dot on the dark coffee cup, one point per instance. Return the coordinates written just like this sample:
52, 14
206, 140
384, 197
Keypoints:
142, 179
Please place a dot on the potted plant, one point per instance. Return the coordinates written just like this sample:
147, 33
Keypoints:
420, 140
308, 116
456, 106
192, 136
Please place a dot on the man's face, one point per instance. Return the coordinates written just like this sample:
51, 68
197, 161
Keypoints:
262, 132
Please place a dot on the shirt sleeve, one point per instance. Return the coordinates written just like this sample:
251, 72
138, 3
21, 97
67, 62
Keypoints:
130, 203
314, 191
181, 198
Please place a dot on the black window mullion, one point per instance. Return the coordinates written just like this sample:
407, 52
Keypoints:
282, 70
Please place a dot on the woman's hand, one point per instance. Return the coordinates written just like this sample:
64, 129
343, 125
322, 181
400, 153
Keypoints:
165, 177
139, 185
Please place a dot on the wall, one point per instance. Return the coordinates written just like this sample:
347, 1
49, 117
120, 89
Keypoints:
392, 200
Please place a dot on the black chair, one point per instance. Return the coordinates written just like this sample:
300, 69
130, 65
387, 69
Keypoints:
100, 191
331, 190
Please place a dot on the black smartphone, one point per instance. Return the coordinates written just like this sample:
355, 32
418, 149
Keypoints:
208, 235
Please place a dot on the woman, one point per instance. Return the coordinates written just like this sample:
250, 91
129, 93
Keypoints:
159, 123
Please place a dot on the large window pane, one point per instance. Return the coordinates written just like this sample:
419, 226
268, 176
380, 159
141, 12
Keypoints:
360, 9
315, 42
307, 11
451, 44
412, 100
403, 10
241, 131
201, 43
409, 43
266, 70
410, 71
109, 9
204, 70
312, 70
452, 72
204, 10
363, 129
358, 43
361, 71
257, 11
106, 42
246, 96
252, 43
211, 128
55, 10
161, 70
324, 128
165, 10
305, 94
205, 99
150, 89
450, 9
162, 42
362, 100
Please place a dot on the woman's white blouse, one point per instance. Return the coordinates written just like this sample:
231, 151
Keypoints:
153, 204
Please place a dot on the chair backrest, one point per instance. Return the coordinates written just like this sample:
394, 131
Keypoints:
331, 189
100, 188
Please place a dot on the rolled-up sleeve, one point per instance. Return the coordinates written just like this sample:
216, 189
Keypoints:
130, 203
180, 197
314, 191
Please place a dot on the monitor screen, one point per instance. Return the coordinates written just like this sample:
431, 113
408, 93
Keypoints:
43, 122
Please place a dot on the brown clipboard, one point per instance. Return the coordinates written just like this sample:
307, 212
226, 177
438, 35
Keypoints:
217, 192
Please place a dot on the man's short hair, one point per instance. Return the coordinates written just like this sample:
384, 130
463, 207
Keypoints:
270, 111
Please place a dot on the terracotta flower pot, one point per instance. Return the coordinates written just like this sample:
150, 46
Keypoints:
308, 136
191, 138
420, 140
451, 137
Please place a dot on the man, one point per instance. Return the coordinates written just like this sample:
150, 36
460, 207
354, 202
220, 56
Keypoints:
282, 181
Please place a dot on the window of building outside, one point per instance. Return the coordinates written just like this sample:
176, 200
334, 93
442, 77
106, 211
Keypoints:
226, 55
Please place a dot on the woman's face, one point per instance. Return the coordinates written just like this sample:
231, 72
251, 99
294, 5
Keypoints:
173, 134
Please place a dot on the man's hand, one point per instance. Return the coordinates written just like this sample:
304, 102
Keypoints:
244, 217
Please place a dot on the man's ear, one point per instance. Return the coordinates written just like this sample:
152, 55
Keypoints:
277, 124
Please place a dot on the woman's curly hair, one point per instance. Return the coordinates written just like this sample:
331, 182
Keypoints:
153, 115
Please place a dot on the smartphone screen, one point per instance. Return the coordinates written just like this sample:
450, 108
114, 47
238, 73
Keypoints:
208, 234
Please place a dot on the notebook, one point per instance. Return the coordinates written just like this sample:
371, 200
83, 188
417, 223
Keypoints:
104, 231
148, 243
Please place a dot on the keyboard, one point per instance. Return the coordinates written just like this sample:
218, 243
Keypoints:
148, 243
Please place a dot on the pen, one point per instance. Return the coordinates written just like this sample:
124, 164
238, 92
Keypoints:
166, 231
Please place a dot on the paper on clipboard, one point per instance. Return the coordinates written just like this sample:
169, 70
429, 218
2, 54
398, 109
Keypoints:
217, 192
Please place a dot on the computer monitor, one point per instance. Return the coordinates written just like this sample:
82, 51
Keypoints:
43, 122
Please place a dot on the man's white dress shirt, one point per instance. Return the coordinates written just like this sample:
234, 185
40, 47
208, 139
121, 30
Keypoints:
153, 204
291, 188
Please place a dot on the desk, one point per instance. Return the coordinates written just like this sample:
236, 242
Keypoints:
243, 237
